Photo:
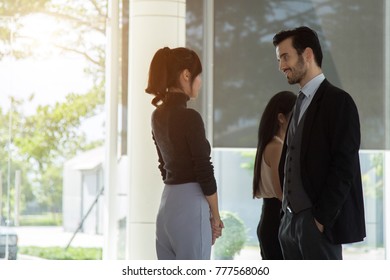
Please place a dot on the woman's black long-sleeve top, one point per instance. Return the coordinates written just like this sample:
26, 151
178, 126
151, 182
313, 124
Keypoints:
182, 147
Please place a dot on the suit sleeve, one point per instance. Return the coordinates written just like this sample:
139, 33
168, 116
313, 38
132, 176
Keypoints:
344, 139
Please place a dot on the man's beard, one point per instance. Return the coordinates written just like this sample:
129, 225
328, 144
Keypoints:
298, 72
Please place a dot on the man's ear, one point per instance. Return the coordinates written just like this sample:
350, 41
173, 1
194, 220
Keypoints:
308, 54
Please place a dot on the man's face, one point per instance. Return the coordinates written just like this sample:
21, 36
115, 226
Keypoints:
291, 64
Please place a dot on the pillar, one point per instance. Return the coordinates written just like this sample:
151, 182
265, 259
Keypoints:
153, 25
111, 139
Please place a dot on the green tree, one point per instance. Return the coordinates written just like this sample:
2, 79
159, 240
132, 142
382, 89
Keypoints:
43, 141
51, 136
81, 29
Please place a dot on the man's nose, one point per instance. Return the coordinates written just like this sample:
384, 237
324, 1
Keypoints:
282, 66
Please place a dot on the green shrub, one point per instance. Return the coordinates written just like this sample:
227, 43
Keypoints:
48, 219
233, 237
59, 253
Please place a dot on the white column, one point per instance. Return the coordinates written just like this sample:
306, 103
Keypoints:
111, 142
386, 203
386, 167
153, 25
208, 69
386, 75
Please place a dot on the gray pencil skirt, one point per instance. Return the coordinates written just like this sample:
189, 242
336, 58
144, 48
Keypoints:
183, 230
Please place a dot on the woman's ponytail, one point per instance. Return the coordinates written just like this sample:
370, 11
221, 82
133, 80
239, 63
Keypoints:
158, 75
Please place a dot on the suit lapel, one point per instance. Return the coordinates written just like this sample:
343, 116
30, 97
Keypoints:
310, 113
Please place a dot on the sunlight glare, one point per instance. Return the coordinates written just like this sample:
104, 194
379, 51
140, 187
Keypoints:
41, 31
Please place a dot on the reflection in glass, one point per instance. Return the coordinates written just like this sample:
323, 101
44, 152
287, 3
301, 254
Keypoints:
245, 68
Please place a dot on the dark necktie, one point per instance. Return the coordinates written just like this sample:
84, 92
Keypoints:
295, 117
298, 104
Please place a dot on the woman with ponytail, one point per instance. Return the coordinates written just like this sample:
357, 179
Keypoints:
188, 221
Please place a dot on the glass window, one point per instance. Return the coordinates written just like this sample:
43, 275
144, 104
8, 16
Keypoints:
245, 67
51, 107
194, 40
246, 75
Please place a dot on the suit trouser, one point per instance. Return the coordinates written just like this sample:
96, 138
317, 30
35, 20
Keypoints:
183, 229
300, 238
267, 230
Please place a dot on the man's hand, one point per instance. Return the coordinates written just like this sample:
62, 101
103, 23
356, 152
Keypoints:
319, 226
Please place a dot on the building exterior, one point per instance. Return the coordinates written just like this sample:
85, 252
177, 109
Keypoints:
234, 39
82, 189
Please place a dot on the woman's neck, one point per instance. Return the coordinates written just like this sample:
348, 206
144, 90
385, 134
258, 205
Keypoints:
175, 89
280, 134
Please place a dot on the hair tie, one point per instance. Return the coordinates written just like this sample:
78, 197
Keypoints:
166, 50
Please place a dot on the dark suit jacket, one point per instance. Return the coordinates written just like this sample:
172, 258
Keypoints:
330, 165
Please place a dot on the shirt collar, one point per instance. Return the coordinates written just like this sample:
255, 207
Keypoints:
311, 87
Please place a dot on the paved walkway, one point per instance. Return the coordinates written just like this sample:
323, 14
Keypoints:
55, 236
349, 253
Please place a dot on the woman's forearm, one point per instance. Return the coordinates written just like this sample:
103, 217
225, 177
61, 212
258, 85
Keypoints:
213, 204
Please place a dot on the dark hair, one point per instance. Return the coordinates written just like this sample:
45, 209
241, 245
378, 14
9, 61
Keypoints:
302, 37
165, 69
282, 102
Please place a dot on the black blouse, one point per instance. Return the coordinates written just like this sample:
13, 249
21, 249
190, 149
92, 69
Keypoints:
182, 147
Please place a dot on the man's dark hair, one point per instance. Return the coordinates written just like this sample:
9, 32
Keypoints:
302, 37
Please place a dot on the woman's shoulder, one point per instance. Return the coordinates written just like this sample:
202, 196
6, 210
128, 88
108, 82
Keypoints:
273, 145
276, 142
193, 115
272, 149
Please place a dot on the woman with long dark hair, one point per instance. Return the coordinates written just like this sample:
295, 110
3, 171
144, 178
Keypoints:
266, 184
188, 221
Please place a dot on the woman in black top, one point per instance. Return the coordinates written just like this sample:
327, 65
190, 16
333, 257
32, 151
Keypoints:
188, 221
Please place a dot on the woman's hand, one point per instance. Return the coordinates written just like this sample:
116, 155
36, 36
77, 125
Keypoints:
216, 228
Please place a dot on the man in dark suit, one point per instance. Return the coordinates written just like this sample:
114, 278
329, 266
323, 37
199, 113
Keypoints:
319, 167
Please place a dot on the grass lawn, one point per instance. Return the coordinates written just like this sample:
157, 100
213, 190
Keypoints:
59, 253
